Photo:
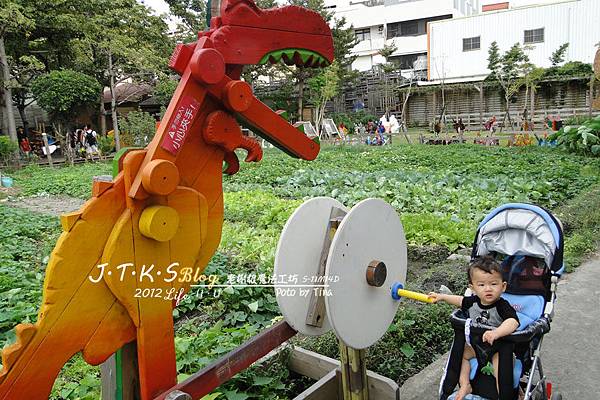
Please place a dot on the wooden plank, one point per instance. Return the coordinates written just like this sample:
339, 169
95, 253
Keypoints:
316, 307
316, 366
325, 388
130, 379
311, 364
220, 371
108, 370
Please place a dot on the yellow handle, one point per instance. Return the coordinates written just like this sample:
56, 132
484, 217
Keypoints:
414, 295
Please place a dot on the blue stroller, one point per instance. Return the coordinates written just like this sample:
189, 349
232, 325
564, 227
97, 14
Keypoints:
528, 241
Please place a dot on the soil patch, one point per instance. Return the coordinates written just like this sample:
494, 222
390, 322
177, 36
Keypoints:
46, 204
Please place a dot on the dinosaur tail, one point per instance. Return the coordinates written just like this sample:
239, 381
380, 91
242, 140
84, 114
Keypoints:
31, 364
74, 308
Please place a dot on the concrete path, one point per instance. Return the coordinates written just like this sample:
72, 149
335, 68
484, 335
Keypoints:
570, 352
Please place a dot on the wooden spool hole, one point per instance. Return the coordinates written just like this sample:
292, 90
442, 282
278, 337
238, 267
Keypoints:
159, 223
160, 177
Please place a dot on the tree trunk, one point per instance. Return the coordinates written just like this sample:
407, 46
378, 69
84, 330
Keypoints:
300, 96
532, 113
113, 104
403, 117
102, 116
12, 129
4, 116
21, 109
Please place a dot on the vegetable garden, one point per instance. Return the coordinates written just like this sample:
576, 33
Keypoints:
440, 192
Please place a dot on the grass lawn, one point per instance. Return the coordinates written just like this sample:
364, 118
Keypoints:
441, 193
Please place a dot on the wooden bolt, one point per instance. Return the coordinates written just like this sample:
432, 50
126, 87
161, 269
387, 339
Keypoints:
159, 223
376, 273
207, 66
160, 177
178, 395
238, 96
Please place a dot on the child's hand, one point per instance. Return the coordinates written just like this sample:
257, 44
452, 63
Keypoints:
435, 297
490, 336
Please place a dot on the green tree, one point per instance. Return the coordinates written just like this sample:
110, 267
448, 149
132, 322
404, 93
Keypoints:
323, 87
12, 21
493, 57
42, 42
558, 57
138, 128
122, 41
164, 89
343, 42
509, 70
63, 94
24, 71
193, 16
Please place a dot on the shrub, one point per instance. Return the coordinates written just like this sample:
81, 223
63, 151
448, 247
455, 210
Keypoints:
7, 149
106, 144
584, 139
353, 119
137, 129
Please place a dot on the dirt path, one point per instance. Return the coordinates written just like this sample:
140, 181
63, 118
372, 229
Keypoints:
51, 205
570, 352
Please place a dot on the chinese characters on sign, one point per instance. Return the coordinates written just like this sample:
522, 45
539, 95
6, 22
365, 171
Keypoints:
180, 125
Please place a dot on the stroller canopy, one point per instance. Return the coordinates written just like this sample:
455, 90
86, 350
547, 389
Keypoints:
522, 229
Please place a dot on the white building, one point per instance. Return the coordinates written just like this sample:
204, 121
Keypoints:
458, 48
402, 23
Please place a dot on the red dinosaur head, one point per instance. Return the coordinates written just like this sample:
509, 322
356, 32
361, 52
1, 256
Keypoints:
247, 35
242, 35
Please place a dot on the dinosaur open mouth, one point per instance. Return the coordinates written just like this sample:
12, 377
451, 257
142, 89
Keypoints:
298, 57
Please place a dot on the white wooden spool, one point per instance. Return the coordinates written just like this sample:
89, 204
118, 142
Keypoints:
358, 312
298, 255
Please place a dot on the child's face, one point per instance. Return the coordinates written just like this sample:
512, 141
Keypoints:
487, 286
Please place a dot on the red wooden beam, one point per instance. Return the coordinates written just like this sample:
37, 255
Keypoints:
495, 7
220, 371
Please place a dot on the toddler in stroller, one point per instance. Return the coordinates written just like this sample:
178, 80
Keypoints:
485, 307
528, 242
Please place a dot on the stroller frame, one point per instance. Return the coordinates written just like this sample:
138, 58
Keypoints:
532, 335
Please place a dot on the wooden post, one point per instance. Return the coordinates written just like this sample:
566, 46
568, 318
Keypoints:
344, 365
119, 375
45, 139
354, 373
481, 107
434, 94
591, 96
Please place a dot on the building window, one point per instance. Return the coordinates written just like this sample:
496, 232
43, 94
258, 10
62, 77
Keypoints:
408, 61
363, 34
413, 27
473, 43
534, 36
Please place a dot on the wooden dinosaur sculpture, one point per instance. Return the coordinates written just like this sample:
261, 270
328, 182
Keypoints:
146, 235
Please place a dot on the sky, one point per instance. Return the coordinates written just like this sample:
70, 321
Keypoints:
158, 5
